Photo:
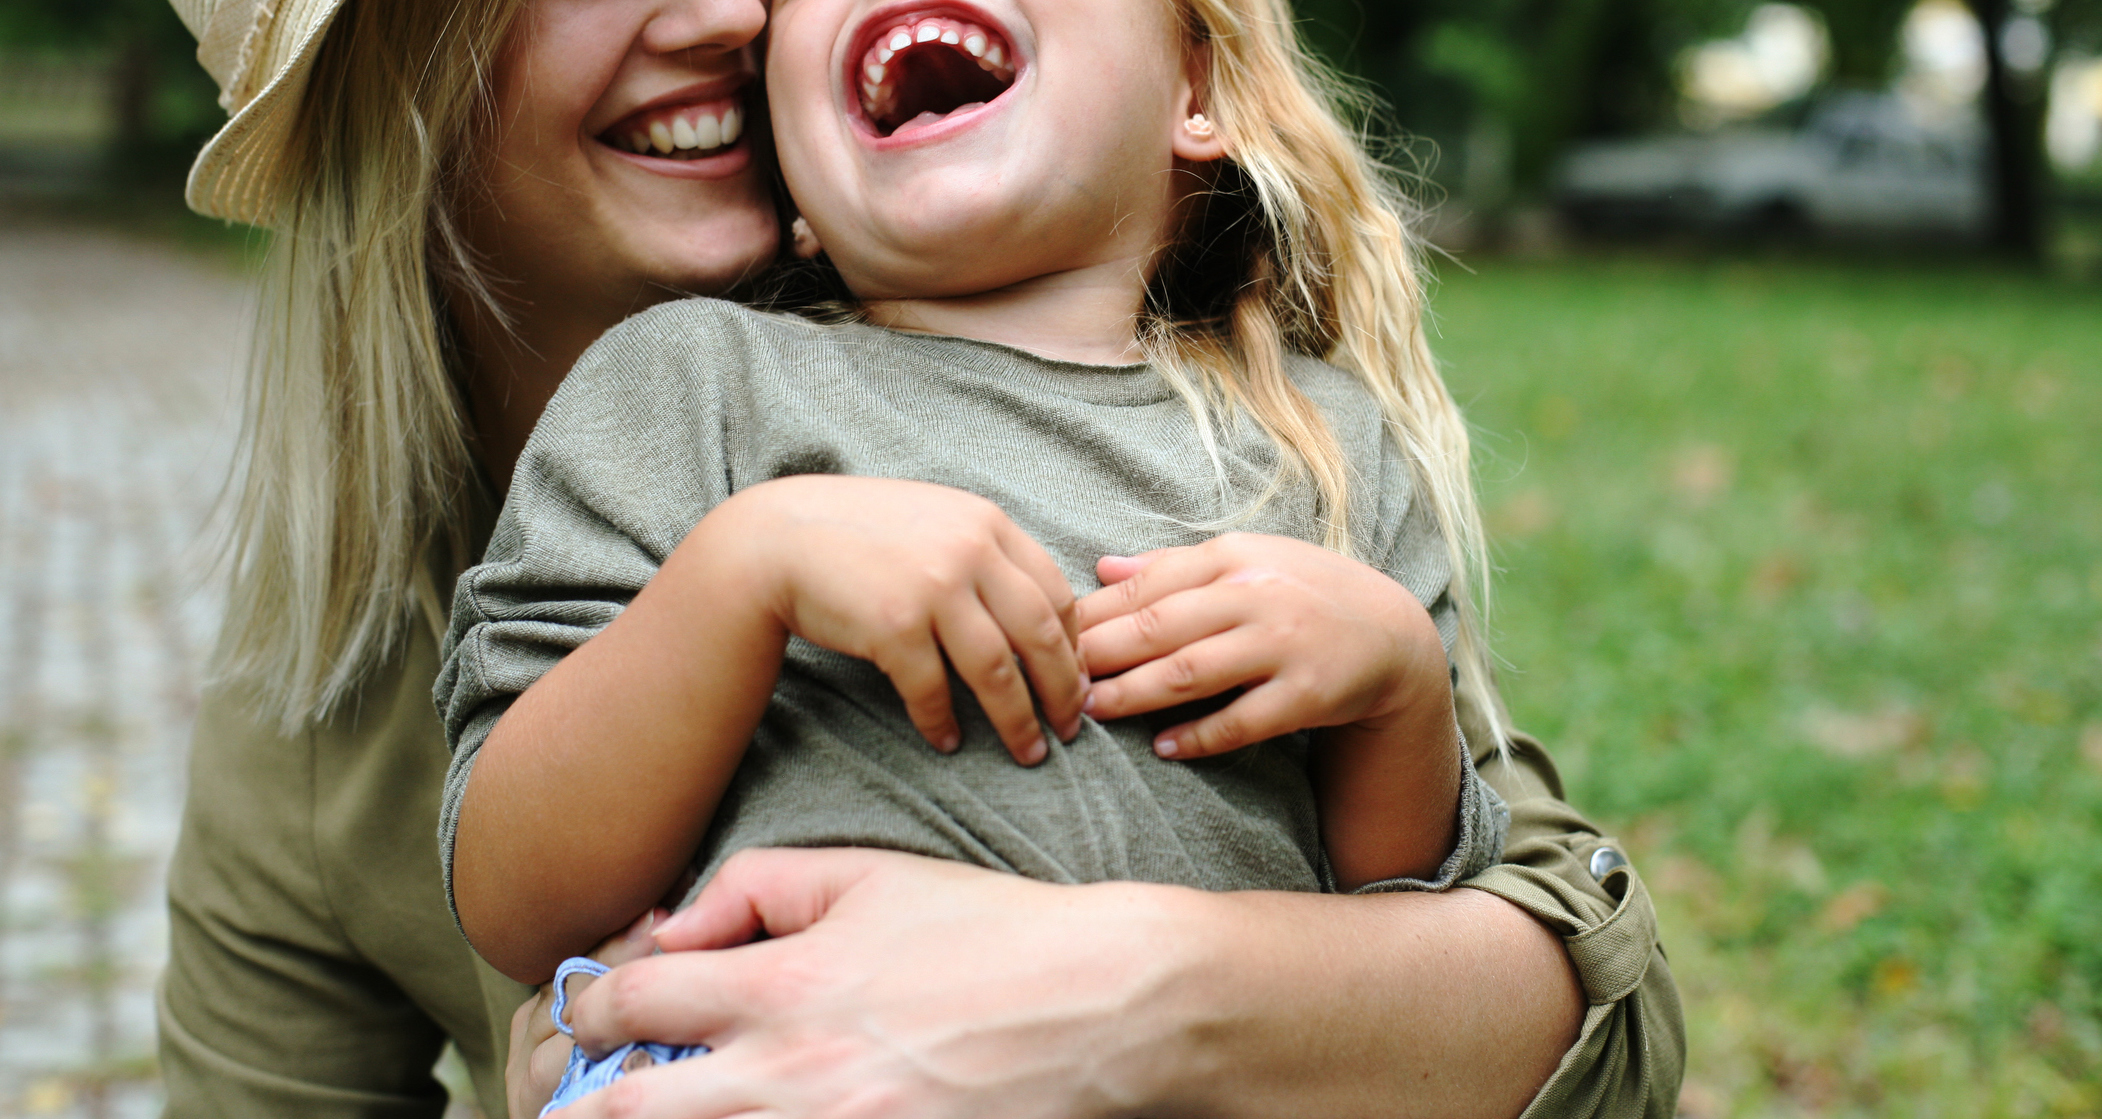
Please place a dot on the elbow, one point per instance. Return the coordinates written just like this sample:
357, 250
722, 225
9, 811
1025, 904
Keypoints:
511, 944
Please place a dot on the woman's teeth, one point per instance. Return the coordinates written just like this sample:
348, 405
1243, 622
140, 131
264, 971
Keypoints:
881, 68
683, 133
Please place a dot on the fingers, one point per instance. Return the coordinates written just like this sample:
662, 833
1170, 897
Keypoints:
1037, 632
913, 661
1163, 573
1149, 633
1264, 712
678, 998
1035, 562
1191, 672
1116, 569
775, 891
696, 1089
979, 649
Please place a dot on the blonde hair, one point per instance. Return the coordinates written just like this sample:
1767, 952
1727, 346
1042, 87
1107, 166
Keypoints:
354, 461
1304, 245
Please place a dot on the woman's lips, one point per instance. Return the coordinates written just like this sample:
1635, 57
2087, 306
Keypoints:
690, 131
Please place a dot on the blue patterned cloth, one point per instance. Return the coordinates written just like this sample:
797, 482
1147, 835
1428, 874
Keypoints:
584, 1075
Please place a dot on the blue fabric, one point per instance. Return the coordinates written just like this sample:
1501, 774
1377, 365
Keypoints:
584, 1075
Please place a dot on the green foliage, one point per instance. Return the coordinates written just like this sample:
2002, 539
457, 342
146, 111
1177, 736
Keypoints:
1544, 71
1802, 587
1864, 37
164, 104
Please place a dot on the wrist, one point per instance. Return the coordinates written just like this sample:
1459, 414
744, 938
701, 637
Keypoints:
726, 561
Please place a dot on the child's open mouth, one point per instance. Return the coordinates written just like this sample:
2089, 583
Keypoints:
922, 68
691, 131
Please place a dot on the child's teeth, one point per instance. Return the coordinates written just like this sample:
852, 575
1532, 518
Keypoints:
951, 38
900, 39
995, 55
885, 54
928, 33
975, 44
875, 72
682, 134
660, 138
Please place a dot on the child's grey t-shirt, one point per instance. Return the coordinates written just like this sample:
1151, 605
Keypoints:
688, 403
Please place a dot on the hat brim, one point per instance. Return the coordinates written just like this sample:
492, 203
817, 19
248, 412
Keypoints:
236, 176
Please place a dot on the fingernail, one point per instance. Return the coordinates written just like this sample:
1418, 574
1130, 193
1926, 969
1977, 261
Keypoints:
1087, 705
950, 743
1165, 746
1071, 731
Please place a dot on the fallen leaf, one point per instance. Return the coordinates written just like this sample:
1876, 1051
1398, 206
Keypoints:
1858, 735
1702, 472
1851, 906
1896, 975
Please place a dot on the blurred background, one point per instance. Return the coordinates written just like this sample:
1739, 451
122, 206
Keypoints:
1781, 327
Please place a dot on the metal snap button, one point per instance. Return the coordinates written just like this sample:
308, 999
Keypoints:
637, 1060
1605, 861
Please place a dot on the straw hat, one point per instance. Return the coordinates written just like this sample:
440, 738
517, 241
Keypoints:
260, 52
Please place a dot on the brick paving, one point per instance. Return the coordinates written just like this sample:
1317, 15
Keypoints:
117, 365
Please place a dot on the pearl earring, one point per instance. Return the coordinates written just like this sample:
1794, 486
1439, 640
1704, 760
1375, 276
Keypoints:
1198, 126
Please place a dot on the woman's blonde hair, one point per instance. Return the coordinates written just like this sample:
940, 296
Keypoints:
354, 462
1304, 244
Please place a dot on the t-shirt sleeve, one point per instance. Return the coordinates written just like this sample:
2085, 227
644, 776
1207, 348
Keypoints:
627, 458
1405, 542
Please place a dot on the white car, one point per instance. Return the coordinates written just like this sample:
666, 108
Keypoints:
1861, 164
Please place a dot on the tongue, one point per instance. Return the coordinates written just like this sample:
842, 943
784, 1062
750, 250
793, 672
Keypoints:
929, 118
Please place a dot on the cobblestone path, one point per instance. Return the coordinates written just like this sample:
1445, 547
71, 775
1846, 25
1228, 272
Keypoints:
117, 365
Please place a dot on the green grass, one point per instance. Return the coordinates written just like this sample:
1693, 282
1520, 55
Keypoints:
1803, 585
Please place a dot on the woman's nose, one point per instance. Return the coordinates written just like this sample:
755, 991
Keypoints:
723, 25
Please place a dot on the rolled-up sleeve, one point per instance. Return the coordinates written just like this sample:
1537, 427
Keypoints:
1631, 1053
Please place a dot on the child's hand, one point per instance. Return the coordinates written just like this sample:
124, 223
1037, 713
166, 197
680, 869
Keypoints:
903, 573
1319, 640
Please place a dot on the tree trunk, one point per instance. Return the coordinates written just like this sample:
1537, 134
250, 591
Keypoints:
131, 94
2014, 119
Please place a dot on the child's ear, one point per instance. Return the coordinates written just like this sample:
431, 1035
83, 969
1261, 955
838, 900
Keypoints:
806, 243
1197, 138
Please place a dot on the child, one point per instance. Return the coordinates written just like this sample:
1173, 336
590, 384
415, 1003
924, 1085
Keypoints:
1090, 243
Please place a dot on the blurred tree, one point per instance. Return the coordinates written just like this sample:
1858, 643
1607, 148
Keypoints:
162, 103
1536, 73
1864, 38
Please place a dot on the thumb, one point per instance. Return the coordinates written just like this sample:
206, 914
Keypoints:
777, 892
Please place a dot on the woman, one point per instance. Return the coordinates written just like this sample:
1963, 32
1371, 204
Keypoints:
451, 236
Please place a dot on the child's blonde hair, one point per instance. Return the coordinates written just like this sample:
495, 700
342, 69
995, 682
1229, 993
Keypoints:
1304, 245
354, 459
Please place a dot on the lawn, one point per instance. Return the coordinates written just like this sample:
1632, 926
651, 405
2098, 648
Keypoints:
1803, 585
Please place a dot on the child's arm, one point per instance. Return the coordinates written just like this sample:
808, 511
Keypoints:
591, 793
1319, 641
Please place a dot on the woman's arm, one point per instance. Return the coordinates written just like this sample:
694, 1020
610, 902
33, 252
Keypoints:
946, 990
1040, 974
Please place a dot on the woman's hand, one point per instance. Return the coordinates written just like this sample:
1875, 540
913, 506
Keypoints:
903, 574
919, 988
539, 1052
1317, 639
897, 987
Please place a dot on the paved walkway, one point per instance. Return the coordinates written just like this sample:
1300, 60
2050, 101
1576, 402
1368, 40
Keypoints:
117, 364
